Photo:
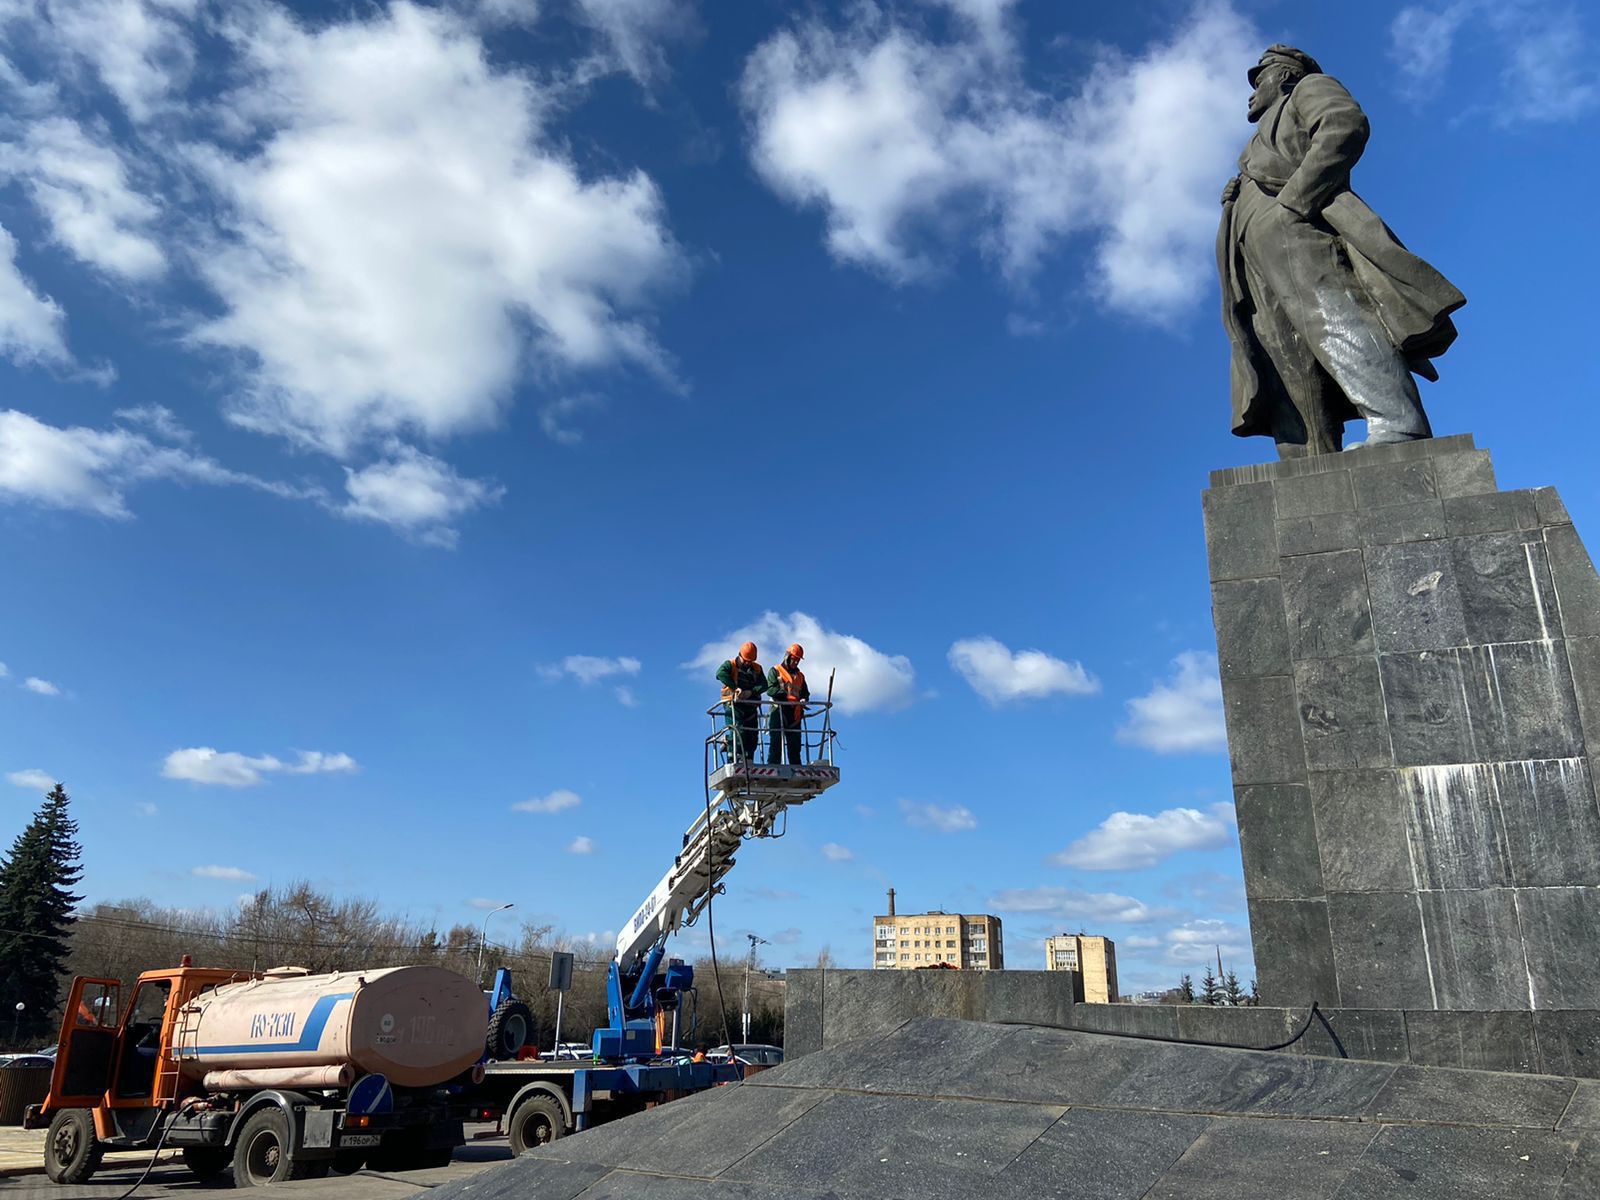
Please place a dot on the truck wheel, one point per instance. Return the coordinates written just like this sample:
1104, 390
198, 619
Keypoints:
71, 1152
510, 1029
537, 1122
207, 1162
264, 1152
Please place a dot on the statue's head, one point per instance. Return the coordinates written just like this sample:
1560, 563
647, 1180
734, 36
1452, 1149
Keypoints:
1280, 68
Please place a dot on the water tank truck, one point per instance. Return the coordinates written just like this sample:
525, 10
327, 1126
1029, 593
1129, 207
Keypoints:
282, 1075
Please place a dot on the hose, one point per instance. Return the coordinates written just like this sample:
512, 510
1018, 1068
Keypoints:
1314, 1014
155, 1157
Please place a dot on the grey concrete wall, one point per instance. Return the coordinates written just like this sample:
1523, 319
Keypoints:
1410, 667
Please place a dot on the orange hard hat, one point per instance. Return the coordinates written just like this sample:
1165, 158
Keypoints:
748, 652
797, 651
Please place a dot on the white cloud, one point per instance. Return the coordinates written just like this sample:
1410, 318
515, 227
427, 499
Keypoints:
906, 141
4, 670
81, 188
1139, 942
407, 240
581, 845
834, 852
1182, 715
1198, 941
1131, 841
1072, 906
486, 905
90, 470
228, 768
160, 420
140, 49
40, 687
1548, 71
867, 680
557, 801
416, 494
591, 668
503, 12
236, 874
33, 779
954, 819
998, 675
638, 29
31, 325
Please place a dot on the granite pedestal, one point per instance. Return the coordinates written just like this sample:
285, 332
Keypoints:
1410, 665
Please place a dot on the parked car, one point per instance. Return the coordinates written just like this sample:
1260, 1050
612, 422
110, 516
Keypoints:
28, 1060
755, 1054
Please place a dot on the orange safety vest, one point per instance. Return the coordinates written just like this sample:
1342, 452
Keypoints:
734, 665
793, 683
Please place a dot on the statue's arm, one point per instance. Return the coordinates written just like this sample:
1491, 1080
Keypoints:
1338, 133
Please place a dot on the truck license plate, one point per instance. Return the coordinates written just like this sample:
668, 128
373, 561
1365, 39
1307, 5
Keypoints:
360, 1139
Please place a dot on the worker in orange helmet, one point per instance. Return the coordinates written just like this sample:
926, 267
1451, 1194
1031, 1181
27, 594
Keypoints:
742, 684
786, 687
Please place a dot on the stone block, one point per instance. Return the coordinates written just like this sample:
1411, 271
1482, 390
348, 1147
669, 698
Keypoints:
1325, 598
1394, 483
1206, 1080
1472, 1098
1577, 586
1044, 997
1264, 743
1558, 937
1569, 1042
1252, 637
1433, 1162
1147, 1020
1478, 1041
1313, 495
1249, 1028
1552, 826
1416, 604
1471, 942
858, 1003
1361, 831
1583, 659
1582, 1180
1241, 540
1293, 951
1278, 841
1549, 507
1378, 950
1466, 474
1342, 714
1286, 1160
1374, 1034
1453, 816
1505, 589
1319, 534
533, 1175
1481, 704
1419, 521
1491, 512
1584, 1111
1106, 1155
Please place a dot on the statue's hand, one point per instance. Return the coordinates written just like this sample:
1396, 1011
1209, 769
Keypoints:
1230, 190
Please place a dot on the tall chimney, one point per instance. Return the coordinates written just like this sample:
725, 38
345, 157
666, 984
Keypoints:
891, 902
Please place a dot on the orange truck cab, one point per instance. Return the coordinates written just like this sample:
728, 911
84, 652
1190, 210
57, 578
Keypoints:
118, 1083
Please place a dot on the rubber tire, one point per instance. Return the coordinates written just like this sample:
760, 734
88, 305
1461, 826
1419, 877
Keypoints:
501, 1040
207, 1162
263, 1124
74, 1128
533, 1116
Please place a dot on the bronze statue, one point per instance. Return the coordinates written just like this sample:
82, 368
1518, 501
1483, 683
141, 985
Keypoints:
1329, 315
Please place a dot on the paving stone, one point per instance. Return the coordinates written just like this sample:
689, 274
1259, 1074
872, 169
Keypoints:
1584, 1111
1471, 942
1361, 831
1278, 841
1491, 511
1325, 599
1378, 950
1319, 534
1293, 951
1577, 586
1440, 1163
1311, 495
1252, 637
900, 1146
1241, 540
1285, 1160
645, 1185
537, 1174
1342, 715
1393, 483
1582, 1180
923, 1055
1420, 521
1200, 1079
1441, 1097
1264, 743
1505, 588
1101, 1155
1416, 604
1551, 511
1481, 704
1453, 816
1569, 1042
1480, 1041
1465, 474
1558, 929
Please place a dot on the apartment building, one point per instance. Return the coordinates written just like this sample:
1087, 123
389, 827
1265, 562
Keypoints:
905, 941
1093, 958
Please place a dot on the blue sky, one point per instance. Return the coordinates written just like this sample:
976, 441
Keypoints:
406, 406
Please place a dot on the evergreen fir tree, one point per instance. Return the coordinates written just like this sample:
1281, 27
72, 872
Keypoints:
1186, 990
1232, 992
1210, 989
1255, 994
36, 903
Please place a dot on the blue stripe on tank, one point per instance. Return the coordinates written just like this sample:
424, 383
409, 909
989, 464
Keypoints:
310, 1033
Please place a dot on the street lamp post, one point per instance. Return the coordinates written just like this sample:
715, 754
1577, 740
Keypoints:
749, 965
484, 937
16, 1021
